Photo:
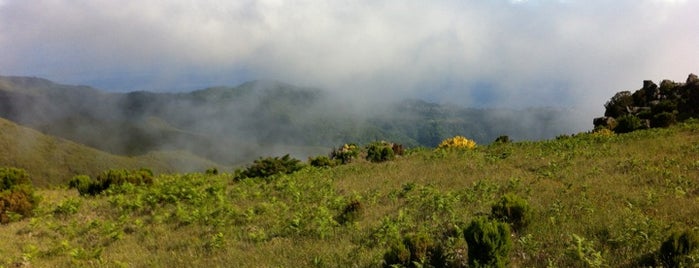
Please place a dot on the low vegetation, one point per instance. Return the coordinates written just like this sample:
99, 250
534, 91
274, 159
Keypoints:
594, 199
17, 199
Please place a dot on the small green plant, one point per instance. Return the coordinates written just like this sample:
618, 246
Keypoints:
514, 210
488, 242
380, 152
583, 250
68, 207
677, 249
266, 167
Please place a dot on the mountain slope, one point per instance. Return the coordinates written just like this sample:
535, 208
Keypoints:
52, 161
596, 199
233, 125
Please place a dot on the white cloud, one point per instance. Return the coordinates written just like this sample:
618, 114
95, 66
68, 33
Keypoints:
530, 53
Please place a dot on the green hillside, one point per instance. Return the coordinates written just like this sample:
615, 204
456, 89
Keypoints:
597, 200
52, 161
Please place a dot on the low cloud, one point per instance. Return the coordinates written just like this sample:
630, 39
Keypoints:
472, 53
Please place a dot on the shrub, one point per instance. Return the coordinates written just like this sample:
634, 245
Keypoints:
84, 185
628, 123
414, 251
457, 142
321, 161
488, 242
664, 119
17, 199
676, 250
9, 177
113, 177
503, 139
616, 106
398, 148
266, 167
212, 171
514, 210
602, 132
346, 153
350, 213
380, 152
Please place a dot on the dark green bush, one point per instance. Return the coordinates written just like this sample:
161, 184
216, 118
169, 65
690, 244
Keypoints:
616, 106
488, 242
321, 161
212, 171
380, 152
664, 119
266, 167
85, 185
676, 250
503, 139
628, 123
514, 210
414, 251
9, 177
350, 213
17, 199
113, 177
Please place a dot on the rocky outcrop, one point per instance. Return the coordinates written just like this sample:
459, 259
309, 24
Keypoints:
653, 105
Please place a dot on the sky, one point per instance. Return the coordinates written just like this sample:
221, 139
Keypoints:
474, 53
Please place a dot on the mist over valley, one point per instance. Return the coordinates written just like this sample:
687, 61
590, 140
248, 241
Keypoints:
233, 125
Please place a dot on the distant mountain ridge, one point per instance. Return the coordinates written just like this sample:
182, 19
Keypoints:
52, 161
232, 125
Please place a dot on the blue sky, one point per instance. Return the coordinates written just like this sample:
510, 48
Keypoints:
566, 53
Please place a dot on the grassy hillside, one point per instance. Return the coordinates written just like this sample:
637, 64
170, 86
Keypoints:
597, 200
52, 161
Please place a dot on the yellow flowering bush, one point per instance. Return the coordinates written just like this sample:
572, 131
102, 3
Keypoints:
458, 142
603, 132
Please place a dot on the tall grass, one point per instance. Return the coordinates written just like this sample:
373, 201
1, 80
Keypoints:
596, 200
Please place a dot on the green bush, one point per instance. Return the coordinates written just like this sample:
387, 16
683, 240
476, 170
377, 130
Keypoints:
113, 177
677, 249
514, 210
488, 242
616, 106
17, 199
345, 153
321, 161
266, 167
84, 184
414, 251
380, 152
350, 213
9, 177
664, 119
212, 171
503, 139
628, 123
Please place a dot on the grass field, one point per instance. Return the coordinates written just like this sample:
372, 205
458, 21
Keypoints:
597, 201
